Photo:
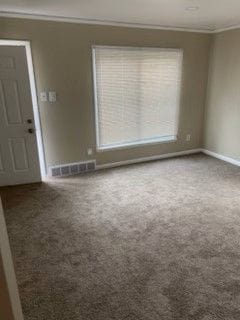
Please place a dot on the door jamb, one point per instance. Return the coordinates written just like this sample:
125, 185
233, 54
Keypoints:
35, 106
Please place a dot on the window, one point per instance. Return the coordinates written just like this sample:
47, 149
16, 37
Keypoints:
136, 95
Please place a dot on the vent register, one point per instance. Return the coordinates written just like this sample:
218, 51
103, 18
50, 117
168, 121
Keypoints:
72, 169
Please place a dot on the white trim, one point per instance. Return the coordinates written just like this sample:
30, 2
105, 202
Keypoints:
95, 95
30, 16
15, 43
37, 120
140, 143
143, 142
8, 269
145, 48
221, 157
147, 159
219, 30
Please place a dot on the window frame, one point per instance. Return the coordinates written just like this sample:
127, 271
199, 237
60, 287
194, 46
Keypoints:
143, 142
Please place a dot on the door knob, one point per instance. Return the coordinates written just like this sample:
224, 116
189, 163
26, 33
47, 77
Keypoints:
31, 130
29, 120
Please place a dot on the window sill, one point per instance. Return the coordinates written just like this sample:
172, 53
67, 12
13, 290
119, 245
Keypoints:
141, 143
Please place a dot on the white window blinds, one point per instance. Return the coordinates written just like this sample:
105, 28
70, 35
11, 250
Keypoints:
136, 95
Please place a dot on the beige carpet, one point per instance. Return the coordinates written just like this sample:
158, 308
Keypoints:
155, 241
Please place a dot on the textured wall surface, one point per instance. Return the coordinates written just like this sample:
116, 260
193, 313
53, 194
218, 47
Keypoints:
222, 129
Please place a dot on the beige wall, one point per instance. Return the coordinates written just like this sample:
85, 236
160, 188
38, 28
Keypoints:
62, 61
222, 126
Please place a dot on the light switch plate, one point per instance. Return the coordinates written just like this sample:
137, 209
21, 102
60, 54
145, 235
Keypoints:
52, 96
43, 96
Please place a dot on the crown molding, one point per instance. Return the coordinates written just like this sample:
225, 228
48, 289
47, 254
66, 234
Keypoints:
19, 15
219, 30
5, 14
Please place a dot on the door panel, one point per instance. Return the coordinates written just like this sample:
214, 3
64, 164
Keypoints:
18, 154
19, 162
10, 101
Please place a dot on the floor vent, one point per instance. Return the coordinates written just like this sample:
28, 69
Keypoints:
72, 168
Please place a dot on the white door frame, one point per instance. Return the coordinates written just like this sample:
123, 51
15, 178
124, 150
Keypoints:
37, 120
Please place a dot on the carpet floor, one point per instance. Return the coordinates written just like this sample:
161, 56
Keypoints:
154, 241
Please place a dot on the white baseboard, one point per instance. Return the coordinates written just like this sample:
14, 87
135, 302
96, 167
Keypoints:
146, 159
221, 157
151, 158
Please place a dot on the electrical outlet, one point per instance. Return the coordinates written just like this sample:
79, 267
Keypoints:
89, 151
188, 138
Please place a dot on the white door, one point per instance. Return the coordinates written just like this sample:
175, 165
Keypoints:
19, 162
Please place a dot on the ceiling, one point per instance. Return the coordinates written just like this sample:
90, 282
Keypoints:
202, 15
